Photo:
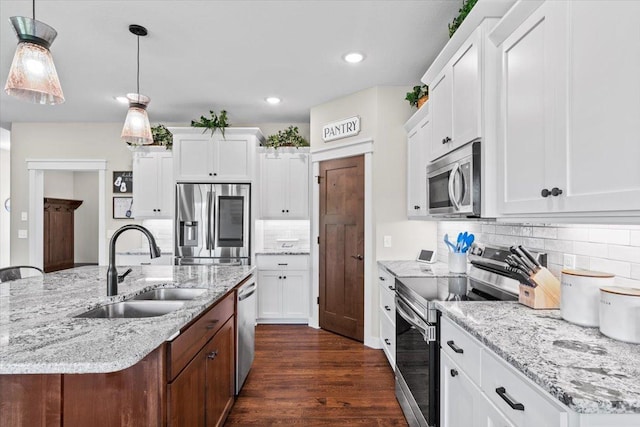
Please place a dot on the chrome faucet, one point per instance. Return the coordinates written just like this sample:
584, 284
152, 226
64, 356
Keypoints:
112, 273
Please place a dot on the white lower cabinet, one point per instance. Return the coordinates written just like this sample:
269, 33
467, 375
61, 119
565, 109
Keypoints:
283, 290
387, 315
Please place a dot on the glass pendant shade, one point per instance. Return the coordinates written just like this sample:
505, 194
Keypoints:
137, 129
33, 75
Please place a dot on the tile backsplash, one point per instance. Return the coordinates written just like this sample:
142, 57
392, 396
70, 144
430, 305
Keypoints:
267, 233
610, 248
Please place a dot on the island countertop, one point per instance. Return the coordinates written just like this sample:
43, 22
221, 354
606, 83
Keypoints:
39, 334
587, 371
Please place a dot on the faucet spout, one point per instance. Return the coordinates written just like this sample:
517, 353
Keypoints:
112, 273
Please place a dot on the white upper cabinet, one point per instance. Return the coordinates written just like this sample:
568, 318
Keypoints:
152, 183
201, 157
419, 134
440, 108
570, 104
284, 185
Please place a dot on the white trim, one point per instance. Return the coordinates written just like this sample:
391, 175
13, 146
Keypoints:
355, 148
36, 168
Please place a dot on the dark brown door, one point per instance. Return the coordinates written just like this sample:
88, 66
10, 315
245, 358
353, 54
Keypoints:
342, 246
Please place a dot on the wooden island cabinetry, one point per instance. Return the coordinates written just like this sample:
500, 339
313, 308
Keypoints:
188, 381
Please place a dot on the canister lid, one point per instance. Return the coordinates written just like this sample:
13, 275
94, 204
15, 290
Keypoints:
634, 292
587, 273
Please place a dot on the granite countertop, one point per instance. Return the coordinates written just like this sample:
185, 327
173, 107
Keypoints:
283, 252
38, 333
402, 269
583, 369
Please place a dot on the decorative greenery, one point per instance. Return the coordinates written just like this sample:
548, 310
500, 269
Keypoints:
467, 5
417, 93
289, 137
162, 136
215, 122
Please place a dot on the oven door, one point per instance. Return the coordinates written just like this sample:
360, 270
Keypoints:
416, 366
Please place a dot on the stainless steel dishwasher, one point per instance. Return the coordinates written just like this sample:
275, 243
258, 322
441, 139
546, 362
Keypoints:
246, 331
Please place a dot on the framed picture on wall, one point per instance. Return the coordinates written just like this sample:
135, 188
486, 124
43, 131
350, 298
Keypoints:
122, 182
122, 207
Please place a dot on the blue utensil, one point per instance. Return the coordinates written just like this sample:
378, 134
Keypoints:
468, 242
459, 242
451, 246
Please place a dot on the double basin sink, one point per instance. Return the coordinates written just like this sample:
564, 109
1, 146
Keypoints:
155, 302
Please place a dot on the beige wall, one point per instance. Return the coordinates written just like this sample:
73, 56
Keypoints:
85, 230
5, 192
383, 112
58, 184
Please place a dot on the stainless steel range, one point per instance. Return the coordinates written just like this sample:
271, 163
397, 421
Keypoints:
418, 331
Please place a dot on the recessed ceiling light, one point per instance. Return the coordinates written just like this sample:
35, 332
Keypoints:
353, 57
121, 99
273, 100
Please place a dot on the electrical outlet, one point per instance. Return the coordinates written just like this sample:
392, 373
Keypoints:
22, 234
569, 261
387, 241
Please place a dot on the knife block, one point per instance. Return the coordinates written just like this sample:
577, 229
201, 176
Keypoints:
546, 294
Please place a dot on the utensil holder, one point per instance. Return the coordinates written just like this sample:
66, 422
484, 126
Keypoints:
457, 262
546, 294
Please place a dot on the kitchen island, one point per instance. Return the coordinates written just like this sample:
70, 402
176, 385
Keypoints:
590, 379
114, 371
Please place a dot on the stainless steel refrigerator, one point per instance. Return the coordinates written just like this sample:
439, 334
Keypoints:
212, 224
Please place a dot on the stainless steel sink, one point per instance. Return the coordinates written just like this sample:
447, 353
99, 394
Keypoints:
132, 309
174, 294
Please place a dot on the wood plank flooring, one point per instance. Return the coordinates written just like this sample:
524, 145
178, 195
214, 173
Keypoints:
308, 377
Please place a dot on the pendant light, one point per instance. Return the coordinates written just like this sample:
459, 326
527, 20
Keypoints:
137, 129
33, 75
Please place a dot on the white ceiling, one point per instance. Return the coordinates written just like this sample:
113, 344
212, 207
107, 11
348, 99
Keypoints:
203, 55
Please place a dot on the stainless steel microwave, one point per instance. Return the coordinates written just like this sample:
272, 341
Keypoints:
453, 183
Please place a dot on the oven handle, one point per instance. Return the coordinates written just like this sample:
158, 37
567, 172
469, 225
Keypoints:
452, 177
412, 320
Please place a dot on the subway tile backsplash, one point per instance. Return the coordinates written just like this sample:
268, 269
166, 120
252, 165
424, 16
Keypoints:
269, 231
611, 248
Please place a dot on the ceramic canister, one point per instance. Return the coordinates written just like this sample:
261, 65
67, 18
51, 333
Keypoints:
580, 295
620, 313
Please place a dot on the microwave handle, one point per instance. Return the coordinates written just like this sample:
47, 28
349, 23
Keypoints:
452, 195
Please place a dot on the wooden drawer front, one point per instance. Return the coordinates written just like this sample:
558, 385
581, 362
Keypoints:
385, 279
388, 303
192, 339
462, 348
282, 262
388, 338
536, 410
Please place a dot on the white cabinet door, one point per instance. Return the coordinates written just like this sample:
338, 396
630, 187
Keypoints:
490, 416
531, 139
297, 186
418, 144
441, 111
145, 185
459, 397
166, 184
231, 158
193, 158
388, 338
295, 303
272, 186
269, 294
466, 101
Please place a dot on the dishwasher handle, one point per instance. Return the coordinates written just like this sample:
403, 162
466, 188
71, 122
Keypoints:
244, 296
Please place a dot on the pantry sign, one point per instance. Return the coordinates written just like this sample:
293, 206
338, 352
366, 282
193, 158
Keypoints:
341, 129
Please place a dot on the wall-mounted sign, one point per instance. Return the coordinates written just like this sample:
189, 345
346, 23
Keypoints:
123, 182
122, 207
341, 129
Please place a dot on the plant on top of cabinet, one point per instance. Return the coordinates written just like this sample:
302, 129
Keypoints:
418, 96
162, 136
289, 137
467, 5
213, 123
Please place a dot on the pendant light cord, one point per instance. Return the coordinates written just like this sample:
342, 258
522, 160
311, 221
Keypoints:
34, 10
138, 71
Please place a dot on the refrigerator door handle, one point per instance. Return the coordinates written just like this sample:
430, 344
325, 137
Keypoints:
209, 207
212, 214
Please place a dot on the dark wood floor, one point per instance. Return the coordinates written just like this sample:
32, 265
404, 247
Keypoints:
308, 377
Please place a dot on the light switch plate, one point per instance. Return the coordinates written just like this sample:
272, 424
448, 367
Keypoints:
22, 234
386, 242
23, 216
569, 261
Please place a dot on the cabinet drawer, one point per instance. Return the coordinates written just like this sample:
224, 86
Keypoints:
502, 385
388, 302
386, 279
282, 262
195, 336
388, 338
462, 348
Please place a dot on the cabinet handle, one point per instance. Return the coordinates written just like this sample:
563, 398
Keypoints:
387, 342
212, 355
212, 325
502, 392
445, 140
454, 372
545, 192
391, 288
283, 263
284, 277
279, 277
215, 174
454, 347
287, 211
282, 210
381, 278
555, 191
210, 174
386, 307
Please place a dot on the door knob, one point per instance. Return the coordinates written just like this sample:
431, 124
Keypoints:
358, 257
212, 355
